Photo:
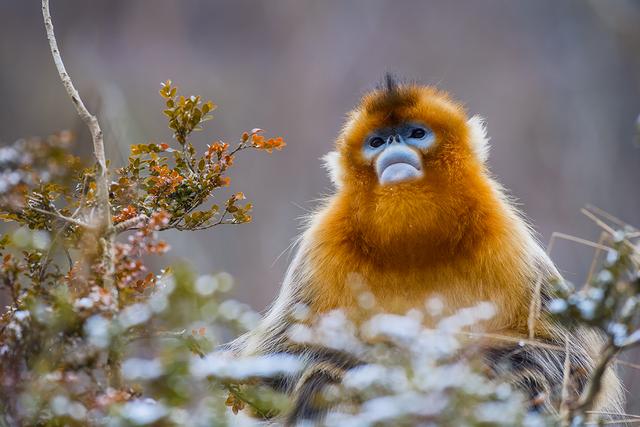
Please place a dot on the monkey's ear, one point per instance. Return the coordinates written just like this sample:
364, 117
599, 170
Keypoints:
478, 137
331, 162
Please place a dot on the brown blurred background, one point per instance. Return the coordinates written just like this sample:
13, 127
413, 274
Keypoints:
558, 82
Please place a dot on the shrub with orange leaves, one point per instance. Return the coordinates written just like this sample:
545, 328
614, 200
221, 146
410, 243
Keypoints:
69, 347
178, 180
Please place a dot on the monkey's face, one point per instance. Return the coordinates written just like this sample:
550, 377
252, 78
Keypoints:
396, 152
402, 137
408, 172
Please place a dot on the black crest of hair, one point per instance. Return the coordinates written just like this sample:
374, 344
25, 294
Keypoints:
390, 83
391, 95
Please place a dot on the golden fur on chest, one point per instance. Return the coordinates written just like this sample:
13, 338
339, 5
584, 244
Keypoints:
461, 256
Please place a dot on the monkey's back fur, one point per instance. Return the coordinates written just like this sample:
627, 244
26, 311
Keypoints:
453, 233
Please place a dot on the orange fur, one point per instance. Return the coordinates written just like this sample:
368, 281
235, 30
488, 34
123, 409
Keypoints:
448, 233
451, 233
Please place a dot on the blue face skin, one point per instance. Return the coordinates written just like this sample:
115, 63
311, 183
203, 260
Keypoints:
396, 151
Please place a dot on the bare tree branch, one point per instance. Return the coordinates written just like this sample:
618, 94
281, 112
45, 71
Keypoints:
102, 181
534, 308
61, 217
132, 223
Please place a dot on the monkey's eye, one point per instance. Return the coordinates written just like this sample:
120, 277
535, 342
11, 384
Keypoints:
418, 133
376, 142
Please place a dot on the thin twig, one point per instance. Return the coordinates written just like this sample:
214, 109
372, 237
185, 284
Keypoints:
606, 227
102, 182
130, 224
507, 338
552, 242
594, 260
617, 221
598, 221
61, 217
215, 224
220, 221
627, 364
535, 307
577, 240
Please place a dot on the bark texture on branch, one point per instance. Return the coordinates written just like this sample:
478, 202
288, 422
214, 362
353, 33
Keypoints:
102, 179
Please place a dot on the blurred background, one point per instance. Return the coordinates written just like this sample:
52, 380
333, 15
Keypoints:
558, 82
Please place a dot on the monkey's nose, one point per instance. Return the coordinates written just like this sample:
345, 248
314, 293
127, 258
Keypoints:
394, 138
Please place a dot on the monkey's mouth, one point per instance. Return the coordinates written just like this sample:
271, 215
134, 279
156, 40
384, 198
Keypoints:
398, 164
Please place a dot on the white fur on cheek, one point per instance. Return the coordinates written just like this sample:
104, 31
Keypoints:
478, 137
331, 162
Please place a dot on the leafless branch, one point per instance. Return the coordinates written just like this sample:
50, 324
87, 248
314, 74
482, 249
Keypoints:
627, 364
605, 227
132, 223
576, 240
534, 308
102, 182
61, 217
594, 260
617, 221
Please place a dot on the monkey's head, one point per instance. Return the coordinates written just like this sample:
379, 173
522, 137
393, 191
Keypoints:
411, 161
404, 133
